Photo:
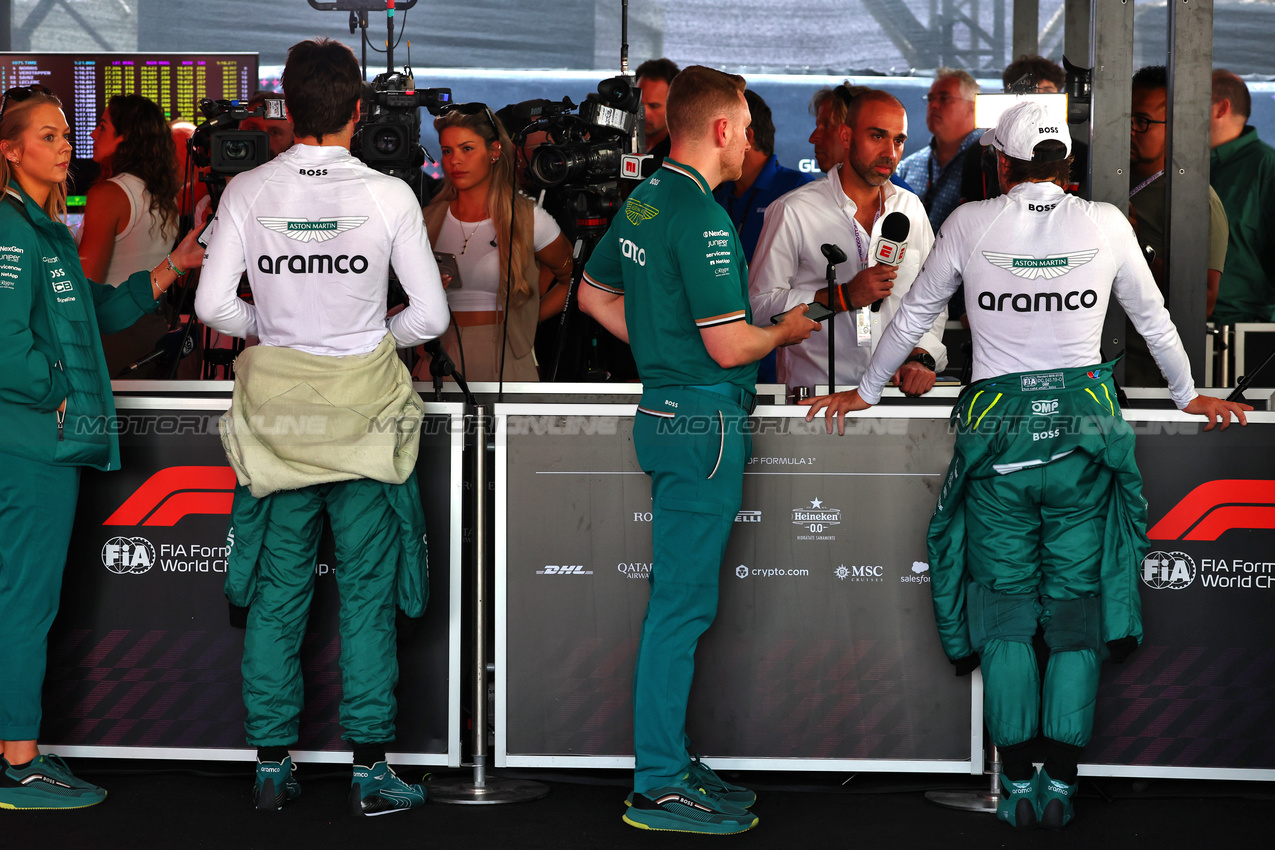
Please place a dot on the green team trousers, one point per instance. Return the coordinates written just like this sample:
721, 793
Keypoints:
1034, 551
37, 509
694, 444
365, 530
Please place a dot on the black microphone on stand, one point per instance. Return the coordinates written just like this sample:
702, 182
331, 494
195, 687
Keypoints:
892, 245
835, 257
175, 345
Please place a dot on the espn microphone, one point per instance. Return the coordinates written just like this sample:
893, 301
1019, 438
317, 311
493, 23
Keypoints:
892, 245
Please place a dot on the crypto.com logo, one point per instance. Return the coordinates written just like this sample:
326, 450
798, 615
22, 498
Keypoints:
1216, 507
177, 492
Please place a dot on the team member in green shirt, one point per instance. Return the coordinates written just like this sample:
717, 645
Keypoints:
670, 279
1242, 171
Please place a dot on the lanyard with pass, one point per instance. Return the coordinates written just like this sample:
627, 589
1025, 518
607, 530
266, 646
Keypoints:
863, 317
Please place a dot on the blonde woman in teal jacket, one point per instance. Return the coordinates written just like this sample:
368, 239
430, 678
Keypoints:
55, 398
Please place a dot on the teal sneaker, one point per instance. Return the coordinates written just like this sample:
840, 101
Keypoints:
1017, 806
714, 784
276, 785
377, 790
1053, 801
686, 807
45, 783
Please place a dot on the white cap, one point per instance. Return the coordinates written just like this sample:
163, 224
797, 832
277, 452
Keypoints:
1022, 127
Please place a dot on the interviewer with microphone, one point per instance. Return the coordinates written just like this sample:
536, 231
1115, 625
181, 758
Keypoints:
854, 207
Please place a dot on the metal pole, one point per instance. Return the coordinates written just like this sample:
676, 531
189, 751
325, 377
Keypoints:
1187, 173
6, 24
482, 789
974, 801
1111, 36
1026, 28
480, 598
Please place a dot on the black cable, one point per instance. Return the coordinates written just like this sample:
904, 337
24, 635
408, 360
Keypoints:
402, 29
509, 270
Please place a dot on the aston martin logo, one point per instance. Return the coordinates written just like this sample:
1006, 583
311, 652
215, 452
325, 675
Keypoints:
312, 231
637, 212
1033, 268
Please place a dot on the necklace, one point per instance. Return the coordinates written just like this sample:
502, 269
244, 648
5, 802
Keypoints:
468, 235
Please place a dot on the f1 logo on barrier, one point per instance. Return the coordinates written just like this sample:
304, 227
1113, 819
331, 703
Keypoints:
1216, 507
177, 492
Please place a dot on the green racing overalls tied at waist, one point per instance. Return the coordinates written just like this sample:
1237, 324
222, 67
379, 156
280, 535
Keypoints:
1040, 521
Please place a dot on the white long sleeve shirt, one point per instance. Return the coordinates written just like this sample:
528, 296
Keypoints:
1039, 267
317, 232
788, 268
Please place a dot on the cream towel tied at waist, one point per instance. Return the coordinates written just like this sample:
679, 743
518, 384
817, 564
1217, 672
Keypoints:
298, 419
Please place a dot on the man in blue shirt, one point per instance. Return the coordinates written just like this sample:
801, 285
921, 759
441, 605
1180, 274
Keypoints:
934, 172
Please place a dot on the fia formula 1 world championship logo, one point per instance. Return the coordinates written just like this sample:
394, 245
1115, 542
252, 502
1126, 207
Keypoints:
128, 555
1168, 570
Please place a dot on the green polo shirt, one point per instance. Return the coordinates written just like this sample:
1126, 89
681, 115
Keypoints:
1242, 172
675, 257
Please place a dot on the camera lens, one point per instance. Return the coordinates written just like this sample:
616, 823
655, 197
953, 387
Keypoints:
551, 165
387, 141
237, 150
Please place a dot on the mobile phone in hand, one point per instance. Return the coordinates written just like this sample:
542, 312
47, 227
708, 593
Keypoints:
816, 313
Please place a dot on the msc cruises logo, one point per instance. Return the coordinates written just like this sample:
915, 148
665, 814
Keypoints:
1032, 268
637, 212
312, 231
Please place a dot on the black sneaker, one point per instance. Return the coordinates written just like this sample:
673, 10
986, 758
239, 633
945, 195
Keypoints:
275, 786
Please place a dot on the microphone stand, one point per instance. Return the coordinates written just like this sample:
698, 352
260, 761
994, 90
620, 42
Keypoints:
440, 366
835, 256
1247, 380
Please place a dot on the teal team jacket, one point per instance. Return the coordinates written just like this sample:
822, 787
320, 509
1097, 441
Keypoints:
50, 350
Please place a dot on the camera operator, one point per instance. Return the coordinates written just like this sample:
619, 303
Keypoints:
654, 76
278, 130
496, 308
317, 231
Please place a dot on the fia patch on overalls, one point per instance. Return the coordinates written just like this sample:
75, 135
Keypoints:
1043, 382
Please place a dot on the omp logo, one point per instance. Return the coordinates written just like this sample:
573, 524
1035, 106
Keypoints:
177, 492
564, 570
637, 212
1045, 406
1031, 268
1213, 508
128, 555
311, 231
1168, 570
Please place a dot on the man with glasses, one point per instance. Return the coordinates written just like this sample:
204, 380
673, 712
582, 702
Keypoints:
934, 172
317, 231
1148, 211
